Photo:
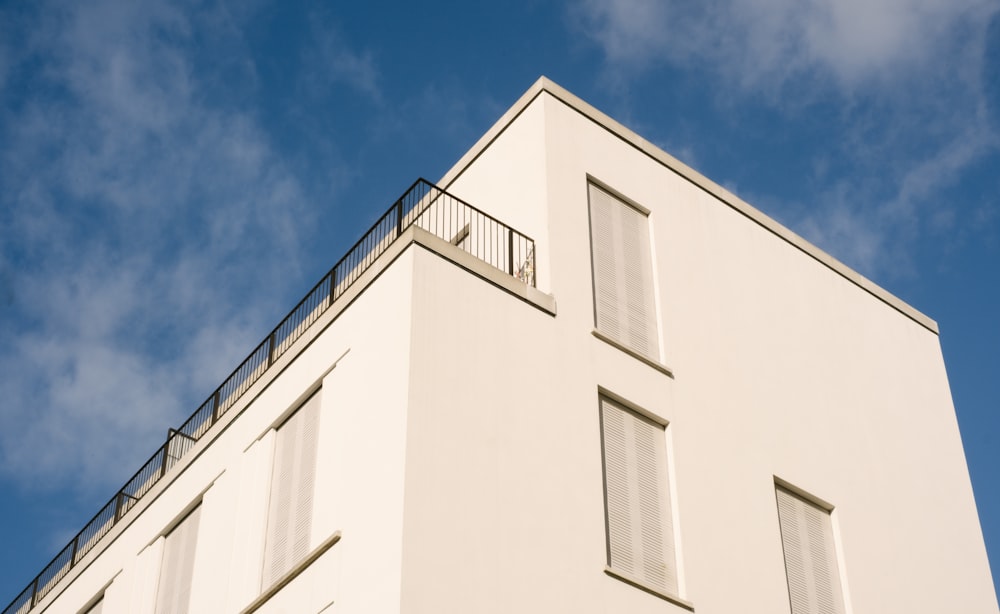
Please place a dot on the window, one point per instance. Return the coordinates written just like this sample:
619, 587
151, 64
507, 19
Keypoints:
810, 556
623, 275
173, 595
637, 499
289, 517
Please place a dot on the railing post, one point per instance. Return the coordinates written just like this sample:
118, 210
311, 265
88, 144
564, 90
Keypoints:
215, 406
510, 251
34, 591
270, 348
118, 506
166, 452
72, 558
534, 267
399, 217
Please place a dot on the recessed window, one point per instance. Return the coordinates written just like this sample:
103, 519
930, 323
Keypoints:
173, 594
640, 537
289, 517
624, 306
810, 555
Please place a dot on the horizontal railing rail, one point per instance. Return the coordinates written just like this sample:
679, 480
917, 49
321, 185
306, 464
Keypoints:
423, 205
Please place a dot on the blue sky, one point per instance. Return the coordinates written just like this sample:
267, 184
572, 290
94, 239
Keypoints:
176, 175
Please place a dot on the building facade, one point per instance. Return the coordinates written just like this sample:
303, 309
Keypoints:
573, 376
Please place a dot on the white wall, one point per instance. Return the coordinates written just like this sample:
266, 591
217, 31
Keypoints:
509, 183
359, 480
460, 450
784, 368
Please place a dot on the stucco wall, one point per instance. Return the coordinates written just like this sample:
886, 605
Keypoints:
358, 480
460, 445
784, 367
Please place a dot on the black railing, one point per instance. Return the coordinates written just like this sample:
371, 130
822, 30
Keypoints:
424, 205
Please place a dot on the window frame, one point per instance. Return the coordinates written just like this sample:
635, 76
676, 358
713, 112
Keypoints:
186, 574
271, 572
831, 547
642, 266
667, 522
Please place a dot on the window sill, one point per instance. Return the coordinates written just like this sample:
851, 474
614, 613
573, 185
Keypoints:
662, 368
291, 574
639, 584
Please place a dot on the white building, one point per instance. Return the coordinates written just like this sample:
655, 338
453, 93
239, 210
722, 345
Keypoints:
666, 402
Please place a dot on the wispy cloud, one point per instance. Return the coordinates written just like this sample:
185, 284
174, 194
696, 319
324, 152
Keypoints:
331, 61
768, 42
136, 220
354, 69
905, 82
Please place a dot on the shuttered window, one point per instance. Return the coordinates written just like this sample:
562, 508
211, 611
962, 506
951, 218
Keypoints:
289, 517
623, 274
810, 557
173, 595
637, 498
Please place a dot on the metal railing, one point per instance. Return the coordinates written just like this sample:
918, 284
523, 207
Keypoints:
424, 205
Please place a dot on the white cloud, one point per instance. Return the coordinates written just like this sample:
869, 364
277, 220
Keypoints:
357, 70
763, 43
330, 61
902, 81
138, 220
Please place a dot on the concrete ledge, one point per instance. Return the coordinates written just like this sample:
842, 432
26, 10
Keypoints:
659, 366
292, 573
639, 584
529, 294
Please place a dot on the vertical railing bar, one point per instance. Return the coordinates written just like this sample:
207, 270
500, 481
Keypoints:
216, 410
534, 266
399, 217
510, 251
166, 452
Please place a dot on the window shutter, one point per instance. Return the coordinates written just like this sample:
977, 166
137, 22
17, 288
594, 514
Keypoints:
173, 596
623, 274
810, 558
637, 498
289, 518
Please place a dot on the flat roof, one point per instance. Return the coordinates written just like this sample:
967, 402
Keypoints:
544, 85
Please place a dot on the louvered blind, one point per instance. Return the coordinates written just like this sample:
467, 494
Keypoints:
810, 558
637, 498
623, 275
173, 595
289, 517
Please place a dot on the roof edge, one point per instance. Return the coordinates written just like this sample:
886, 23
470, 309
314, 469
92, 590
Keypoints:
547, 86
